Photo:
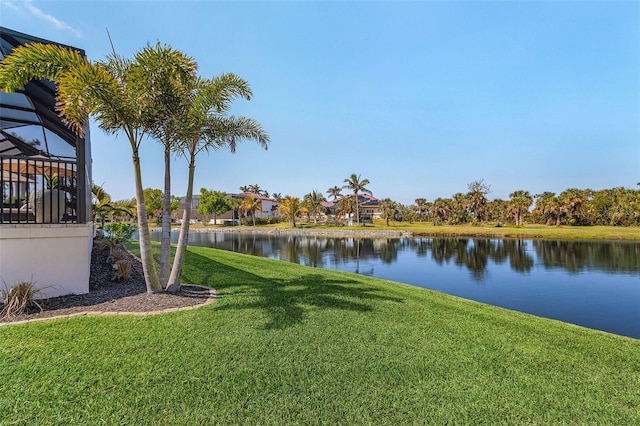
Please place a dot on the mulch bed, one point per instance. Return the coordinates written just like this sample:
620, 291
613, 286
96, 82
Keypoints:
110, 296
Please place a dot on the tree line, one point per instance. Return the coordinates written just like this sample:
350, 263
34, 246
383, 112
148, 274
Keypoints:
573, 206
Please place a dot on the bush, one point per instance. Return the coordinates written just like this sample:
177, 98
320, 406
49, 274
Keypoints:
248, 221
19, 299
118, 232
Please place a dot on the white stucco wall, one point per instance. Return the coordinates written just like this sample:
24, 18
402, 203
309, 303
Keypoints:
55, 257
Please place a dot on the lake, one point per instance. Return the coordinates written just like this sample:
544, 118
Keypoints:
594, 284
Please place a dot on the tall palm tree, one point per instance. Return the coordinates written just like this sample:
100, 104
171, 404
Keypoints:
107, 91
335, 192
244, 188
206, 126
356, 185
164, 74
251, 205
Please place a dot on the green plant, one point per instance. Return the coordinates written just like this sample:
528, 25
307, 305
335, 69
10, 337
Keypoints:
19, 299
117, 233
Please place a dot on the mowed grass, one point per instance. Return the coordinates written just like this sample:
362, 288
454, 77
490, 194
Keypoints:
486, 230
287, 344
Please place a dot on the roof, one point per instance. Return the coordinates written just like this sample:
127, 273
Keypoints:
29, 124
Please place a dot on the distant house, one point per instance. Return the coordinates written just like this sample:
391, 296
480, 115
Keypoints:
369, 206
46, 233
269, 209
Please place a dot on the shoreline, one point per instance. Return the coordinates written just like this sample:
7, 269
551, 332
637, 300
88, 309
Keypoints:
537, 232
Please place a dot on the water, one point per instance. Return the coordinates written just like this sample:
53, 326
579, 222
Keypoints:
595, 284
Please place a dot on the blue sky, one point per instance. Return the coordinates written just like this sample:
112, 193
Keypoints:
420, 97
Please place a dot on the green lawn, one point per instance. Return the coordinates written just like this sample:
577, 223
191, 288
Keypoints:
286, 344
507, 231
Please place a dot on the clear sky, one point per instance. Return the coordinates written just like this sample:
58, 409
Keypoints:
420, 97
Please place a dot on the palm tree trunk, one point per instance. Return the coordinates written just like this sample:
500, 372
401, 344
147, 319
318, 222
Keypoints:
173, 285
148, 266
165, 243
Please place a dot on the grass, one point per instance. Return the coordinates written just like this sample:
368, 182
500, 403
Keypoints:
489, 230
287, 344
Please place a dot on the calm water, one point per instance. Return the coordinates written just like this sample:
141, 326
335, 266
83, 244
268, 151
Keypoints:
593, 284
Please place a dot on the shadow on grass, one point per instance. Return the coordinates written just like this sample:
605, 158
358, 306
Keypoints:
285, 301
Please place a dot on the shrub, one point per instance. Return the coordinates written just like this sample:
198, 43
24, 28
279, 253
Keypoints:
118, 232
19, 299
117, 254
122, 270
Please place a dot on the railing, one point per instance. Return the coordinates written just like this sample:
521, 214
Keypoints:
38, 190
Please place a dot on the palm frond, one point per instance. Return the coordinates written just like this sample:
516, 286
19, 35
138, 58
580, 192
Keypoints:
36, 61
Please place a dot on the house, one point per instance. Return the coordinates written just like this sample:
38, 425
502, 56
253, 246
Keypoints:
369, 206
269, 208
46, 233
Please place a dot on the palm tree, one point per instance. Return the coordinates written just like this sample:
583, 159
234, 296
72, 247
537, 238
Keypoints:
234, 205
102, 206
548, 207
255, 189
107, 91
421, 204
206, 126
573, 201
251, 205
356, 185
442, 208
388, 208
520, 203
335, 192
345, 206
277, 196
291, 207
477, 200
313, 202
244, 188
164, 74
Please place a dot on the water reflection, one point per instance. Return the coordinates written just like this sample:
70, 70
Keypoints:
473, 254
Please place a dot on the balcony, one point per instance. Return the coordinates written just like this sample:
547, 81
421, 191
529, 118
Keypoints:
38, 190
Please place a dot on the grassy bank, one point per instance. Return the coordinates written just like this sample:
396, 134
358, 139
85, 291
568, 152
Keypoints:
428, 229
286, 344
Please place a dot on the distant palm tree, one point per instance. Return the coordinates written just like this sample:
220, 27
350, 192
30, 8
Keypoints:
103, 206
277, 196
548, 207
356, 185
388, 208
291, 208
251, 205
244, 188
345, 206
520, 203
421, 204
335, 192
313, 202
